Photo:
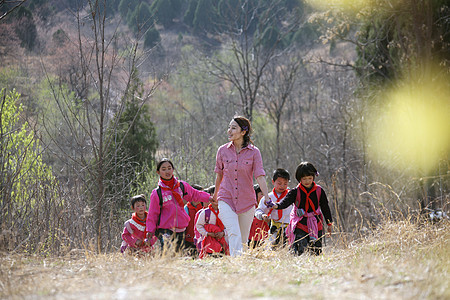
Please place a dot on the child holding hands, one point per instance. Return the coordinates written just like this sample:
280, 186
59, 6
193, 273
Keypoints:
279, 219
305, 228
260, 228
191, 209
166, 217
212, 231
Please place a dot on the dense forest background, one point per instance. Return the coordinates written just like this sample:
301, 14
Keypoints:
94, 92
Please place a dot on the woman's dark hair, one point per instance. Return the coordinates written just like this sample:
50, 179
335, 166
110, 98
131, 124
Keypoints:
281, 173
138, 198
305, 169
158, 166
245, 125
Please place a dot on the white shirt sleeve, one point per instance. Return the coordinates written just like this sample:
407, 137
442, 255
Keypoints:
200, 225
261, 209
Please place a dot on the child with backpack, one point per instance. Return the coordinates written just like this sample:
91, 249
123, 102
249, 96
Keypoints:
210, 232
166, 216
134, 232
191, 209
279, 219
260, 228
306, 225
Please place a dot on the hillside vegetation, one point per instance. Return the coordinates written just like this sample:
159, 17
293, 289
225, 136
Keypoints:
92, 95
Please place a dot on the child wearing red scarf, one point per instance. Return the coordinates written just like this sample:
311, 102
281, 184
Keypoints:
166, 217
310, 211
191, 209
134, 232
212, 232
260, 228
279, 219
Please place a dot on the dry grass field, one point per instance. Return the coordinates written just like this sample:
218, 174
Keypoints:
400, 260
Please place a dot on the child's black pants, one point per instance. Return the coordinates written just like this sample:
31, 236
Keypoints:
303, 242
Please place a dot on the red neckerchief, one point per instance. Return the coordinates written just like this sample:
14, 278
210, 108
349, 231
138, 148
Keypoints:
280, 211
197, 207
218, 221
308, 200
173, 185
139, 221
168, 182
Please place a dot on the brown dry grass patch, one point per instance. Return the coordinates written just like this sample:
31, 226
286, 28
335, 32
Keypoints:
400, 260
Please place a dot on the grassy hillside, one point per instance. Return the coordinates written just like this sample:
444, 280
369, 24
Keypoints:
400, 260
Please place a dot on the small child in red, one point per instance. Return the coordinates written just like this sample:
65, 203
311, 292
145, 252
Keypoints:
134, 232
191, 209
260, 228
212, 231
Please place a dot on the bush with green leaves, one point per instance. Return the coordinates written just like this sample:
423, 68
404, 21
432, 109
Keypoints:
28, 198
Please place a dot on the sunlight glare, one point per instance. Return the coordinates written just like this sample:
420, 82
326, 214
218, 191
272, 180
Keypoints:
354, 5
413, 128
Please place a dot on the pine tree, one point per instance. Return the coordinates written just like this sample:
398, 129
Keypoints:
152, 38
134, 142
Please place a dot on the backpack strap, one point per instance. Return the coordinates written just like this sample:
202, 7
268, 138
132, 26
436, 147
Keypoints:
182, 189
158, 191
207, 215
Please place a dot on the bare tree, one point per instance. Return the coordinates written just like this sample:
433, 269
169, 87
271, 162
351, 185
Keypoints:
277, 90
90, 118
8, 6
253, 44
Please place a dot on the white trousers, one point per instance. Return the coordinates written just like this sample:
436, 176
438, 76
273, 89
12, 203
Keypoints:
237, 227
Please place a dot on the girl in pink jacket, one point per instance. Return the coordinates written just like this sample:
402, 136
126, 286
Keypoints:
166, 216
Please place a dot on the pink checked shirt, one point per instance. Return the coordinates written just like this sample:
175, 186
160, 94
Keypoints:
238, 170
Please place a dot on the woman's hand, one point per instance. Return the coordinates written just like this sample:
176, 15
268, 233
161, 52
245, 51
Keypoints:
263, 186
219, 178
213, 199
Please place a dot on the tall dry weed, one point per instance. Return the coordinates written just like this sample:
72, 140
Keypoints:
402, 259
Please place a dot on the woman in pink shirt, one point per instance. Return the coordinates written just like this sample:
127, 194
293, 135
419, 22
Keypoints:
237, 162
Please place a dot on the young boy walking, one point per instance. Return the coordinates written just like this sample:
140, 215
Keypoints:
311, 210
279, 219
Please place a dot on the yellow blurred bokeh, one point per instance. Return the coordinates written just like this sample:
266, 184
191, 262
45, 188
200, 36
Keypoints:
353, 5
412, 128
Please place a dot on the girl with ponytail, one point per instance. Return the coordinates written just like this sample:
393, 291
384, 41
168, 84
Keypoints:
237, 163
